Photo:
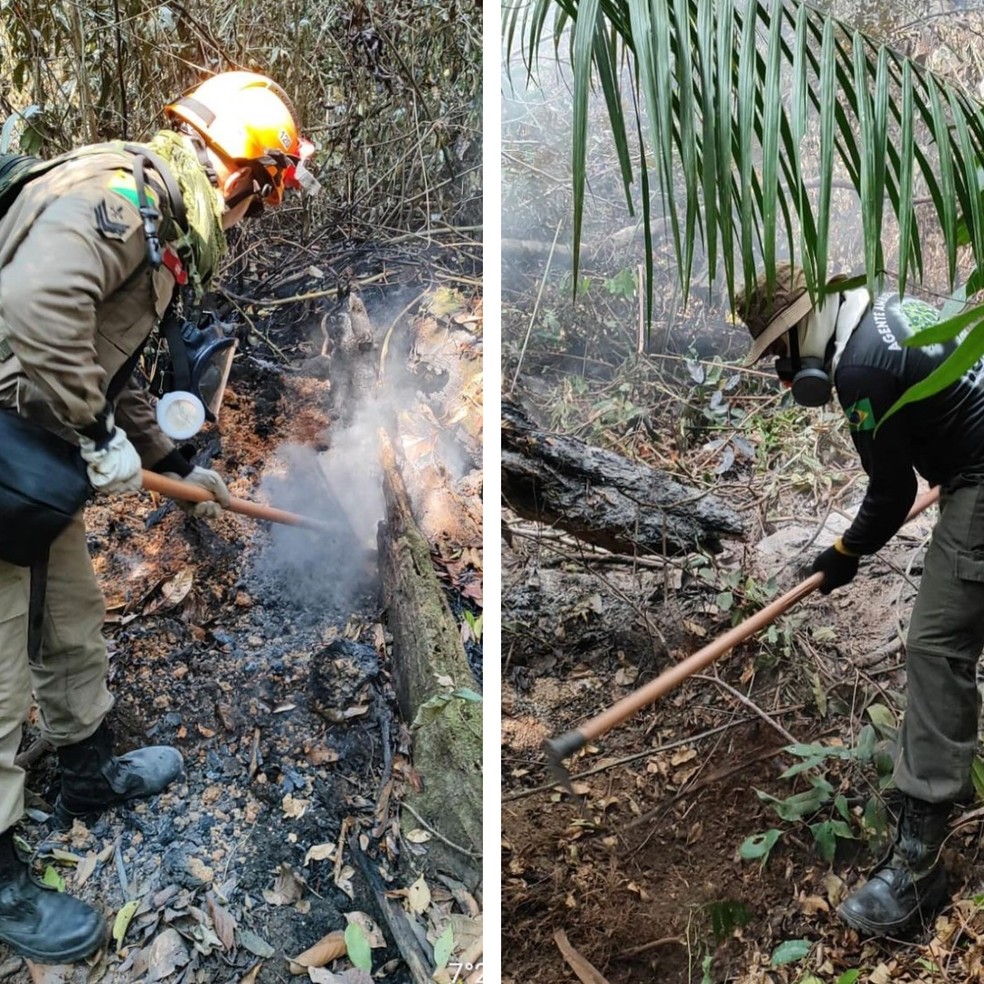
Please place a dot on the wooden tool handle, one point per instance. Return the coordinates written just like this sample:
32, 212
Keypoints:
675, 675
190, 492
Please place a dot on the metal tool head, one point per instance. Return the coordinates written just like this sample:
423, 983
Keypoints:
556, 750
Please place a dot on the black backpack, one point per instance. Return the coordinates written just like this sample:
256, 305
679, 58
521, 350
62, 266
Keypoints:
15, 171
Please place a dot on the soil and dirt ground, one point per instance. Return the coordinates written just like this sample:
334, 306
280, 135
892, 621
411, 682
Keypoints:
262, 653
691, 854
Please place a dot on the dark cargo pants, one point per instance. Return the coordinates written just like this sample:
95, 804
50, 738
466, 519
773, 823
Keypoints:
938, 740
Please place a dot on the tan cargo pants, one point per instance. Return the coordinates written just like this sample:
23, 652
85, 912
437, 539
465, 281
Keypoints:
69, 677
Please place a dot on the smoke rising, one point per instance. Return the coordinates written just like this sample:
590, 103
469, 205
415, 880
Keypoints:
334, 570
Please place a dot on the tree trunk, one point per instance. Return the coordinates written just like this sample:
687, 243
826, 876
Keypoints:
433, 684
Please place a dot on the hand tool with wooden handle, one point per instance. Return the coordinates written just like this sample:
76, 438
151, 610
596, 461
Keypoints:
557, 749
190, 492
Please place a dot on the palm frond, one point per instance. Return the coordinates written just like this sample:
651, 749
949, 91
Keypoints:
729, 90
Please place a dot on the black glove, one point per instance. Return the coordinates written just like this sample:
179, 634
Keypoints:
837, 566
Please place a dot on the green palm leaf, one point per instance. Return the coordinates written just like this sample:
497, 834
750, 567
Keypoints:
725, 137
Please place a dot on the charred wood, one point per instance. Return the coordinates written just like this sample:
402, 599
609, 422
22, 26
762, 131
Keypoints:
602, 497
402, 935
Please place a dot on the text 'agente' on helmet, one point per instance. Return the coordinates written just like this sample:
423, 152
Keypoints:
247, 120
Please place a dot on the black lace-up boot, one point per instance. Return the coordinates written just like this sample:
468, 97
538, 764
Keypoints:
908, 889
39, 922
93, 779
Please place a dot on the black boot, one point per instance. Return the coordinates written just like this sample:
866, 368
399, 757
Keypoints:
94, 780
909, 888
41, 923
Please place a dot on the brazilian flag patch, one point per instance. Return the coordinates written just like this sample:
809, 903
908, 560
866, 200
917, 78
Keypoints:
860, 416
123, 184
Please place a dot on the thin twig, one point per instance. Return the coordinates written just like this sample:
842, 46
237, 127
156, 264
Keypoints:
536, 307
748, 702
439, 835
634, 951
311, 296
384, 348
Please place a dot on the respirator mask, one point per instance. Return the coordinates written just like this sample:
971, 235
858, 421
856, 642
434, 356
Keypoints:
805, 375
190, 381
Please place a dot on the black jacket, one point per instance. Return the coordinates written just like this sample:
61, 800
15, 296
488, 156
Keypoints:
941, 438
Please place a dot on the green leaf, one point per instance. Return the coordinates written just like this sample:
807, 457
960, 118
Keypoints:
797, 806
795, 770
883, 719
952, 368
866, 744
443, 947
430, 710
825, 835
52, 878
943, 331
122, 921
357, 947
849, 976
977, 776
790, 951
759, 846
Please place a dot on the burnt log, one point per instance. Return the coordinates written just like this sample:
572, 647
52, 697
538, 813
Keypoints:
603, 498
433, 685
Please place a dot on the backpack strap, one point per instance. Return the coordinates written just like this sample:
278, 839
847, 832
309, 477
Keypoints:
179, 213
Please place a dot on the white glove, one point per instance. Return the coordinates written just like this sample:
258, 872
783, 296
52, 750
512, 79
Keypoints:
212, 482
113, 467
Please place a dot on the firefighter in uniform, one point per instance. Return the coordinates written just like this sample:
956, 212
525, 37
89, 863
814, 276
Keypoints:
80, 294
852, 343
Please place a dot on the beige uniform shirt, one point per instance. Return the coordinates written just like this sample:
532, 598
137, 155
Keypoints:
78, 299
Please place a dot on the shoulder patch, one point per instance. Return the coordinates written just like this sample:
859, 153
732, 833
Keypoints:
123, 184
112, 220
860, 416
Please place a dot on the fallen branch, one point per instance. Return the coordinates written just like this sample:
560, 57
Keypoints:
432, 681
418, 963
604, 498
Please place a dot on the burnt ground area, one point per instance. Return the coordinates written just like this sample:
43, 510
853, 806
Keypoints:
643, 872
261, 652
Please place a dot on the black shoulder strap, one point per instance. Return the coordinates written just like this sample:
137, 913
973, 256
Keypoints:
179, 213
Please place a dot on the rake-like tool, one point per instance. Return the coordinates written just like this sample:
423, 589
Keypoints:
558, 749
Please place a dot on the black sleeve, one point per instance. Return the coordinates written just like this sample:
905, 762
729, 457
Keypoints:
866, 395
173, 461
